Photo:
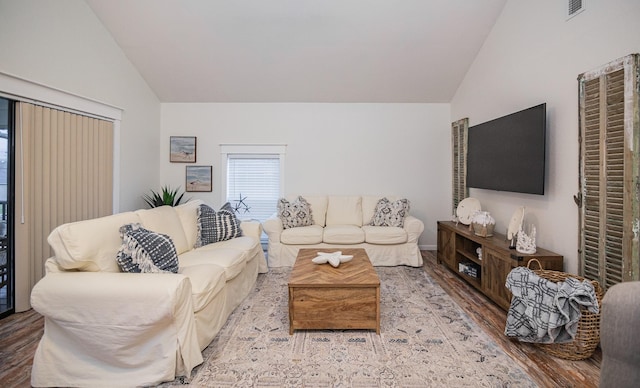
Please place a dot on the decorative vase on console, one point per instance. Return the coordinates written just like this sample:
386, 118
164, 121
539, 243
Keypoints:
526, 243
483, 224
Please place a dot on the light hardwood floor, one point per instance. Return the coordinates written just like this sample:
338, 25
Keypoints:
20, 333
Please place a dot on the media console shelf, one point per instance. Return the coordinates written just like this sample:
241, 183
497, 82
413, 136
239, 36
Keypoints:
457, 249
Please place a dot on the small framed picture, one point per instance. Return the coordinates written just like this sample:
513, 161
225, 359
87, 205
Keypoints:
199, 178
182, 149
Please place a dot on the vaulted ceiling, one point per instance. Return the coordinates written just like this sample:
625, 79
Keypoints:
300, 50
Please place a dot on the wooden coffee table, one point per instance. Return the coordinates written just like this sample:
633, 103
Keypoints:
324, 297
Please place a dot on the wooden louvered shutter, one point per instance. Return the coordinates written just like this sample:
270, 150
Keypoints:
609, 167
460, 191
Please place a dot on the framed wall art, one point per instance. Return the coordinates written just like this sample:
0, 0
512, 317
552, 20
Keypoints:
199, 178
182, 149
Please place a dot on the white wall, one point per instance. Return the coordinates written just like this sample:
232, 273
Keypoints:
389, 149
63, 45
534, 55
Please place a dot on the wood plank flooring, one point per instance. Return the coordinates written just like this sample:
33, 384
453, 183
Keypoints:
19, 337
546, 370
20, 333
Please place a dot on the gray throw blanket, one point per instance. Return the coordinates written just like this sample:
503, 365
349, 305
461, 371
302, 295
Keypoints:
543, 311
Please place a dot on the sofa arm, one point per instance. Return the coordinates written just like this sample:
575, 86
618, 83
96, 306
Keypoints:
110, 297
414, 228
251, 229
619, 340
123, 322
273, 228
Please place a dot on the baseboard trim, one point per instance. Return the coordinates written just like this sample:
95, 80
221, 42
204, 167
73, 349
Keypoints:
427, 247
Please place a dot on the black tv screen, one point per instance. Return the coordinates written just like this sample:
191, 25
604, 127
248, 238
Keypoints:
508, 153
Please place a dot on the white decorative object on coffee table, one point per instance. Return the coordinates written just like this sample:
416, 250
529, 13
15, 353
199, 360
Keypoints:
333, 258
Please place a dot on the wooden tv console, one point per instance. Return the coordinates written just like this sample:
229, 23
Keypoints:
458, 245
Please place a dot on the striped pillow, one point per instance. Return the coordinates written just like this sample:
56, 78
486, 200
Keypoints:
216, 226
145, 251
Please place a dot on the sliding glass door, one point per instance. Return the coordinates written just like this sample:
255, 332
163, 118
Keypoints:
6, 215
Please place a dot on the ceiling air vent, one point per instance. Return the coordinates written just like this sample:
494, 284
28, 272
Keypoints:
574, 7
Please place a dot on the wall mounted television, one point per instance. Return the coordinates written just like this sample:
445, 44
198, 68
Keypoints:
508, 153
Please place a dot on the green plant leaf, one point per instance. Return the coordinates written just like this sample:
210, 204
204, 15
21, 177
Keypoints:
166, 196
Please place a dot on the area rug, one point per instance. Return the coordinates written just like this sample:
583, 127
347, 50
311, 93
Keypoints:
426, 340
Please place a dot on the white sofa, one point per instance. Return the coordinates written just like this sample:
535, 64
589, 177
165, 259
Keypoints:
104, 327
342, 222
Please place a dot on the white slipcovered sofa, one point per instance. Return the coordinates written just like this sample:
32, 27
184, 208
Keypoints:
104, 327
342, 222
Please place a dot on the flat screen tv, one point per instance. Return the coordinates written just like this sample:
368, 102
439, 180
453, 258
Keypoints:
508, 153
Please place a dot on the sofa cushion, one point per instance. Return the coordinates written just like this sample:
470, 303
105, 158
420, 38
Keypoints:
343, 234
188, 213
244, 243
145, 251
294, 213
207, 280
90, 245
318, 205
216, 226
233, 261
384, 235
303, 235
344, 210
389, 213
165, 220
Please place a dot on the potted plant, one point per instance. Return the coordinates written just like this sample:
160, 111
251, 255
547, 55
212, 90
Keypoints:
166, 196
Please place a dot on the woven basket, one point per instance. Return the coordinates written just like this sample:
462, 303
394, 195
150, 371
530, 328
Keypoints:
588, 335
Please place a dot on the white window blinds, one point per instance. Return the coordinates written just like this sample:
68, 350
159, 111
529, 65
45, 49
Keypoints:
254, 180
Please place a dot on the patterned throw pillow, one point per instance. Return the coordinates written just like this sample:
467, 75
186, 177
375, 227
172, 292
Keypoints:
389, 213
145, 251
296, 213
217, 226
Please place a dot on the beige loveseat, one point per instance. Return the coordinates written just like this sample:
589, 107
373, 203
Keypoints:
104, 327
343, 222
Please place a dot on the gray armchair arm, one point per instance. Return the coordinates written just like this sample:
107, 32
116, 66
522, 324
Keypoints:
619, 337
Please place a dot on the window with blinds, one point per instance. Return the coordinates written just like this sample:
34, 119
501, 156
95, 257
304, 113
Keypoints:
609, 171
253, 184
460, 191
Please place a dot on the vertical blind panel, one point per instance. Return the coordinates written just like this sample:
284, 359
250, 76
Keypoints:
67, 175
258, 180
